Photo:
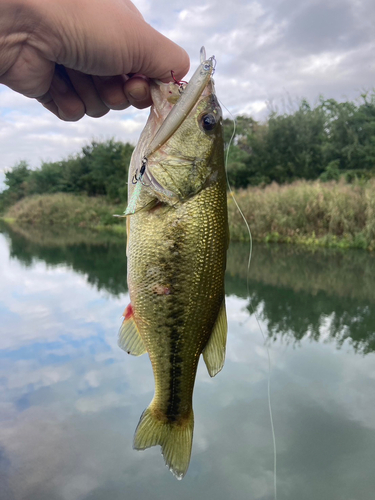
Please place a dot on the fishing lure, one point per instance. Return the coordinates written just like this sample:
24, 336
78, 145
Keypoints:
137, 190
189, 97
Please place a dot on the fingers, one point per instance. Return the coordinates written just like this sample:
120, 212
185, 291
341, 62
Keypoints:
73, 94
48, 103
76, 35
151, 53
137, 90
160, 55
65, 101
111, 91
85, 88
119, 92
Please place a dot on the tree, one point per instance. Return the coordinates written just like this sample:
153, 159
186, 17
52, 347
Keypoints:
17, 181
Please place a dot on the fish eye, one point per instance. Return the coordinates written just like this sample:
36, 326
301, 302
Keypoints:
208, 121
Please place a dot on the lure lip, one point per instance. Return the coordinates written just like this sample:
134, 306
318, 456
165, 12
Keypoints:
203, 54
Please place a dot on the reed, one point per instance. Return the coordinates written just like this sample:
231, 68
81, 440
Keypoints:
311, 213
64, 210
331, 214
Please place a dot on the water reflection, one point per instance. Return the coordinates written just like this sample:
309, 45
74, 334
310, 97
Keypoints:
314, 294
296, 292
70, 399
100, 258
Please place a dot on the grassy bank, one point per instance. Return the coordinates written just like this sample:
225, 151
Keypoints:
309, 213
65, 210
332, 214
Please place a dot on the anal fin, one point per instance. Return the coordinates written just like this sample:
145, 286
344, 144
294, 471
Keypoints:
214, 352
129, 338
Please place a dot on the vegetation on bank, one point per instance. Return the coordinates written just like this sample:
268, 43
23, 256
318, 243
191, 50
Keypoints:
333, 214
328, 142
66, 210
100, 169
312, 213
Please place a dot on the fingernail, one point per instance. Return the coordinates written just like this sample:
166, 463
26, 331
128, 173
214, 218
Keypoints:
73, 116
118, 106
138, 93
105, 78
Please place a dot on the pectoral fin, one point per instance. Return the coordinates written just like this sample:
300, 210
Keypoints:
214, 352
129, 338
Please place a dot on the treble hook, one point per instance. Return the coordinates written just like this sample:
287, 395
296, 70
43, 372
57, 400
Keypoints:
141, 173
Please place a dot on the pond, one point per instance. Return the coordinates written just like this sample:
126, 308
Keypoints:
70, 399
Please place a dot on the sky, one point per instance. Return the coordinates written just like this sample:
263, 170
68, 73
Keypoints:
269, 52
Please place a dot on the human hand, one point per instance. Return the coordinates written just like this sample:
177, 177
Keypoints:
81, 57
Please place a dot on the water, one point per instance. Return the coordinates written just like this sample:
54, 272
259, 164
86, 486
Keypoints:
70, 399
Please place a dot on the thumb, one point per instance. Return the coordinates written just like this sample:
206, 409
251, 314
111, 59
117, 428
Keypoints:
158, 55
112, 38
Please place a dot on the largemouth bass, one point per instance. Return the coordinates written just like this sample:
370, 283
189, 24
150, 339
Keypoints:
177, 242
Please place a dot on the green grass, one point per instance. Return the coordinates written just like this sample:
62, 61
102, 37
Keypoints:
65, 210
332, 214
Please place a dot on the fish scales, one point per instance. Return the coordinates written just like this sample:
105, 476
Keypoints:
177, 243
179, 288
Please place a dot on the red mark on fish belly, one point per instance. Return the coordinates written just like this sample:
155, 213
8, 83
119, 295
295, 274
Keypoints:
128, 313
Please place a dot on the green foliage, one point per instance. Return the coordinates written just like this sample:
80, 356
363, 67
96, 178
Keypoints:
310, 213
100, 169
17, 182
329, 141
331, 172
326, 141
65, 210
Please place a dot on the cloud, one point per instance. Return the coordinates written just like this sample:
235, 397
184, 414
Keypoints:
265, 51
28, 132
38, 315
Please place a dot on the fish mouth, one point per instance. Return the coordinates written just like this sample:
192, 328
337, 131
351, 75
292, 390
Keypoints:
179, 108
172, 104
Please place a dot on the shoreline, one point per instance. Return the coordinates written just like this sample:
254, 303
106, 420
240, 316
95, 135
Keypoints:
309, 214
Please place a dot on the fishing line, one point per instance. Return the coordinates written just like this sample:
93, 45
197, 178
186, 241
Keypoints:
251, 306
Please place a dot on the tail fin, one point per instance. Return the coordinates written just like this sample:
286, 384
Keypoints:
175, 439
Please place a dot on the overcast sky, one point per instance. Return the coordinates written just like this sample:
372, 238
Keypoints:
266, 51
